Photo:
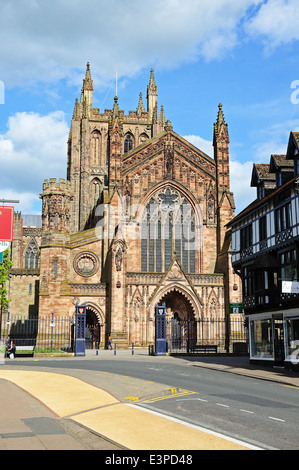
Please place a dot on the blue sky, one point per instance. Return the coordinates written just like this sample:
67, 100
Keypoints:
243, 54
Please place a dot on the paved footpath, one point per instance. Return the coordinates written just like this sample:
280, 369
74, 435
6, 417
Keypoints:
46, 410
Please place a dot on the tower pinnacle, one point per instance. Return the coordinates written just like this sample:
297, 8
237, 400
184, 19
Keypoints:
151, 95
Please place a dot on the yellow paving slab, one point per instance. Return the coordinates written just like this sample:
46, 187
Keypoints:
128, 425
63, 394
138, 429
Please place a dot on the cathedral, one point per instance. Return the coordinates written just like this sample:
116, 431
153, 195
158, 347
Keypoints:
139, 221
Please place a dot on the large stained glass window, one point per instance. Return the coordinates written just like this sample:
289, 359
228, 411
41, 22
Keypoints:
168, 227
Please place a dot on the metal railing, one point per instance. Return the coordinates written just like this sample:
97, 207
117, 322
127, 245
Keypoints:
45, 333
182, 336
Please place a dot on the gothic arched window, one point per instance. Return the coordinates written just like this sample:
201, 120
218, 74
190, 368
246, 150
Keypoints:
95, 189
128, 143
168, 227
96, 147
31, 255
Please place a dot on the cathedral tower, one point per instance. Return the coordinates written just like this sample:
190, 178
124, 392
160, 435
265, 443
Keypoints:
99, 141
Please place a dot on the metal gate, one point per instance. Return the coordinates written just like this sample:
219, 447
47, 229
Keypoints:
181, 335
92, 336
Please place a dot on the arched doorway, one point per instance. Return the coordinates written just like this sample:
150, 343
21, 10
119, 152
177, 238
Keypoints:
181, 332
92, 330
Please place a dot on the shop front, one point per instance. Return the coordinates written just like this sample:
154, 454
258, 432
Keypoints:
274, 338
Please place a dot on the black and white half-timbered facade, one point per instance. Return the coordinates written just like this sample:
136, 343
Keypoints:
265, 252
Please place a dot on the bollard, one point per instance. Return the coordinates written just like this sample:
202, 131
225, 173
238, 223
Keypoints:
132, 349
114, 349
97, 349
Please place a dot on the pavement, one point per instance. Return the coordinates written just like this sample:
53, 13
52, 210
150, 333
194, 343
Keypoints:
43, 410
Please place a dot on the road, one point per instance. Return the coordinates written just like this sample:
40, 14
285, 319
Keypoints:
261, 413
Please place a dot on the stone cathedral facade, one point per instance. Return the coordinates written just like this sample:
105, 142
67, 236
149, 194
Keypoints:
139, 220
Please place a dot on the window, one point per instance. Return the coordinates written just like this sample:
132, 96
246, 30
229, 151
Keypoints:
248, 281
288, 265
261, 335
55, 266
278, 179
128, 143
168, 226
246, 236
261, 191
263, 228
296, 166
283, 218
292, 339
31, 255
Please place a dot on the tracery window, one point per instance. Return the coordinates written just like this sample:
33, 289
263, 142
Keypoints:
128, 143
31, 255
168, 227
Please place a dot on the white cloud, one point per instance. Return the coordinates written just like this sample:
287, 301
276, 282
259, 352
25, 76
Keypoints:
205, 145
33, 148
240, 178
277, 22
45, 41
240, 173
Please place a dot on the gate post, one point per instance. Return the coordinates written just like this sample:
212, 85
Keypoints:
80, 329
160, 312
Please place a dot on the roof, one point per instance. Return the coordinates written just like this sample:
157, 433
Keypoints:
255, 204
261, 172
280, 161
32, 220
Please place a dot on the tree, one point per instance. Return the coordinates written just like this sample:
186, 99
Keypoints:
4, 276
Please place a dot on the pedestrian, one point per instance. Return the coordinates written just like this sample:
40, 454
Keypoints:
11, 349
109, 345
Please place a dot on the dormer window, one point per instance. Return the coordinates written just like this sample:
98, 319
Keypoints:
261, 191
278, 179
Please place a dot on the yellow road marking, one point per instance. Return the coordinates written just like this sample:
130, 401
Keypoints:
172, 395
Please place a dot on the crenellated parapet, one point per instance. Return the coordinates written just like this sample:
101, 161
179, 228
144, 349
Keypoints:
57, 196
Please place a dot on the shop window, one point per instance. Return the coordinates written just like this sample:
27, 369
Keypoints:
261, 336
292, 339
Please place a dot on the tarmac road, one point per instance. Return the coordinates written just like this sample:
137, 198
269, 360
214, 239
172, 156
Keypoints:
45, 410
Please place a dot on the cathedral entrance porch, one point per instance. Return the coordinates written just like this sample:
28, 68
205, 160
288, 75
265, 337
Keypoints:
181, 334
93, 330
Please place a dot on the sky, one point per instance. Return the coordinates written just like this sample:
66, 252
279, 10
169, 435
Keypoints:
242, 53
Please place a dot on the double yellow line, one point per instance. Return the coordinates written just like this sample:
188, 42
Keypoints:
174, 393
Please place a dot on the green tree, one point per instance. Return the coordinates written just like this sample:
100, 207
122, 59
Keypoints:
4, 275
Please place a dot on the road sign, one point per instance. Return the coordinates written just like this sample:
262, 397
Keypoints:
6, 223
235, 308
3, 246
